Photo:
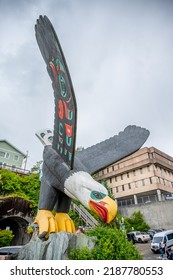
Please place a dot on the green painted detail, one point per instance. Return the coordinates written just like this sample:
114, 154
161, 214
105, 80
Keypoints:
97, 195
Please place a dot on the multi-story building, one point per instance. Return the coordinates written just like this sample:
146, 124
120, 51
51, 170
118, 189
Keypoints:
10, 156
143, 177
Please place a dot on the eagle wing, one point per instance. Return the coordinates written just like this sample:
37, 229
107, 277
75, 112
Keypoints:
65, 119
117, 147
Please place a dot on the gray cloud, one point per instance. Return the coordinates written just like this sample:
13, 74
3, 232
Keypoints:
120, 58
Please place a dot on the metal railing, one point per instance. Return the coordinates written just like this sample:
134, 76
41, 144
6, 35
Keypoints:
14, 169
141, 200
144, 200
84, 215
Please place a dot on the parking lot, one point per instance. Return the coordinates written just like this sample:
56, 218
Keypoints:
144, 249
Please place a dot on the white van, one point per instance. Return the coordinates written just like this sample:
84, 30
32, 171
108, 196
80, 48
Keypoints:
163, 236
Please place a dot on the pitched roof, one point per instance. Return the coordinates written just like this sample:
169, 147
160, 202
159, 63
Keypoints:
3, 140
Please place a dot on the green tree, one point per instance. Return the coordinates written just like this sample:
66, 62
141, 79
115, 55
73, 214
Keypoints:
105, 184
37, 167
136, 222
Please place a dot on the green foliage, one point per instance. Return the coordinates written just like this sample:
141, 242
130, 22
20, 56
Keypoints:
10, 182
6, 237
137, 222
105, 184
76, 219
37, 167
79, 149
30, 187
83, 254
27, 187
111, 244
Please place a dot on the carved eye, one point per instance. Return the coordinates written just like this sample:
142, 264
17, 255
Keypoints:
42, 134
50, 139
97, 195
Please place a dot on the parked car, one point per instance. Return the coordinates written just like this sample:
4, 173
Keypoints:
8, 251
141, 237
162, 237
151, 233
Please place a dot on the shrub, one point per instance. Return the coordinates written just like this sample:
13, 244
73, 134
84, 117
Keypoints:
137, 222
111, 244
6, 237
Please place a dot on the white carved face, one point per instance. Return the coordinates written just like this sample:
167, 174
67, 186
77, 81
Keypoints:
45, 136
80, 185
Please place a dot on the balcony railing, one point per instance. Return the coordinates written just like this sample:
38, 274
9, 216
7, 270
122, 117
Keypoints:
14, 169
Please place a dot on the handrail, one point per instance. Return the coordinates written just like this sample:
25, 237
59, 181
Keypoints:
14, 169
85, 215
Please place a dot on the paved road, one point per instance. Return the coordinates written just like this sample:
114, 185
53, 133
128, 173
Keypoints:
144, 249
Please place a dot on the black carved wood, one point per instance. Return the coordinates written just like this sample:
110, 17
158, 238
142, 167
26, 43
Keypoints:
65, 103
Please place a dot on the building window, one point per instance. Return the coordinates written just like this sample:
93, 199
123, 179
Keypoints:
121, 177
7, 155
134, 172
16, 157
129, 186
113, 168
2, 154
116, 189
115, 179
102, 172
143, 182
127, 174
141, 171
151, 181
107, 170
110, 180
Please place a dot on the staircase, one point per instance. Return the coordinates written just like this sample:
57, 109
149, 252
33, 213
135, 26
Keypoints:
84, 215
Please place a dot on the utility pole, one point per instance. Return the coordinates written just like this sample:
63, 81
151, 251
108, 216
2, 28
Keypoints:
27, 152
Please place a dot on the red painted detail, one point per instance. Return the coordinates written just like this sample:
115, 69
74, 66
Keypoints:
67, 111
69, 130
54, 72
60, 109
100, 210
58, 68
102, 203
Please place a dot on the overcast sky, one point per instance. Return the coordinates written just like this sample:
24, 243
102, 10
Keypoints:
120, 57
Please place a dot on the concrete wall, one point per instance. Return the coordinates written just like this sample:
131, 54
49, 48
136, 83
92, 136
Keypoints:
157, 215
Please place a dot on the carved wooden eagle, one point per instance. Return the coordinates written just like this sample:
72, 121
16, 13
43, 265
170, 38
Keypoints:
67, 174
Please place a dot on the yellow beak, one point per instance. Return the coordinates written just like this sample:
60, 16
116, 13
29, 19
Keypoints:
105, 208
